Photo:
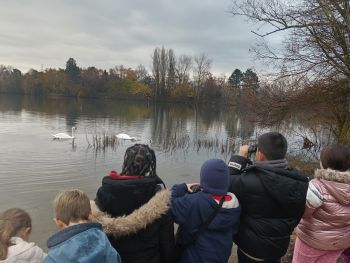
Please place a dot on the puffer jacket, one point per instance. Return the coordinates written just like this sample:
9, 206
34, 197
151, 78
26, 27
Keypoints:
190, 210
328, 227
273, 202
23, 252
135, 215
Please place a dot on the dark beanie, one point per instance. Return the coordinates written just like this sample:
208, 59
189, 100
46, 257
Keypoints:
214, 177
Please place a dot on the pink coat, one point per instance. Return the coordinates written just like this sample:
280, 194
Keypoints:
328, 227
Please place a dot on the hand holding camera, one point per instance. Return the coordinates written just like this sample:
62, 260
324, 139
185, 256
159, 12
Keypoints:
248, 150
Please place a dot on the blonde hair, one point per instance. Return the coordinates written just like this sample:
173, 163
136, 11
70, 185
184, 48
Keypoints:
11, 222
72, 206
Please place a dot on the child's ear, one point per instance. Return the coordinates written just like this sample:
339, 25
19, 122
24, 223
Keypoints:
59, 223
24, 233
90, 217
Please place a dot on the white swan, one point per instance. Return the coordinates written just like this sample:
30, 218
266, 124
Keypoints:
125, 136
62, 135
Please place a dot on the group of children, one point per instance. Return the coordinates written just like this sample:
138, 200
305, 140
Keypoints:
131, 209
79, 239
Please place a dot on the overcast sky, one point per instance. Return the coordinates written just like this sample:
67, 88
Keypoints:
45, 33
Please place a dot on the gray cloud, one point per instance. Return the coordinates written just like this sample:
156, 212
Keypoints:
112, 32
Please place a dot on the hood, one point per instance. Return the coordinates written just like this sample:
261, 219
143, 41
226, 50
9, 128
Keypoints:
285, 186
22, 251
83, 242
19, 247
157, 206
69, 232
118, 197
229, 212
336, 183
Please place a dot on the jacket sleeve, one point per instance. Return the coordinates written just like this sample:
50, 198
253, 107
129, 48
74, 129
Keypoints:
178, 190
237, 163
167, 239
314, 200
180, 203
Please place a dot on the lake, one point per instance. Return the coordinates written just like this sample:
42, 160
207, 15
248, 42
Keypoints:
35, 168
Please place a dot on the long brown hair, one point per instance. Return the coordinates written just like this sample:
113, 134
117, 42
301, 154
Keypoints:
11, 222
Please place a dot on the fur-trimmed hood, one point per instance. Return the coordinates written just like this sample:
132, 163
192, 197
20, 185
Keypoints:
332, 175
336, 183
155, 208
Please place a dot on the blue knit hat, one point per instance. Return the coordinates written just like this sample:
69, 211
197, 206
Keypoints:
214, 177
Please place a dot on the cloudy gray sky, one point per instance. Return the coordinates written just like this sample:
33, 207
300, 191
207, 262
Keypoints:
45, 33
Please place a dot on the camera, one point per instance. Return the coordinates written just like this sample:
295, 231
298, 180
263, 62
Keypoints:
252, 148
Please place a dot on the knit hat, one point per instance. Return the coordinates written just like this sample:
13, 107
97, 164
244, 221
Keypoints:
214, 177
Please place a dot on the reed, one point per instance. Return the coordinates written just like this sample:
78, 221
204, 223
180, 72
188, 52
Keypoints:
101, 142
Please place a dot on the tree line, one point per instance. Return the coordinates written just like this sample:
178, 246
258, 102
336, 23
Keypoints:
179, 78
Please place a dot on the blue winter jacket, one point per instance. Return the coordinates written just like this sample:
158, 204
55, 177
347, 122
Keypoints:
190, 211
81, 243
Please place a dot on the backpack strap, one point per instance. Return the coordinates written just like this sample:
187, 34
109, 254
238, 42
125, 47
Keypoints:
205, 224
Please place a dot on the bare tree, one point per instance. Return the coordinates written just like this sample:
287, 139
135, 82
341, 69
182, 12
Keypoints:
156, 71
183, 67
171, 70
318, 40
141, 72
316, 46
163, 70
201, 71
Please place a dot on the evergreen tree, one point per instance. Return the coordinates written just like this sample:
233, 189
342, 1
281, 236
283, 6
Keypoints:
235, 79
250, 80
72, 69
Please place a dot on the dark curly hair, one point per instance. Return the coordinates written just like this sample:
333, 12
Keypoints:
139, 159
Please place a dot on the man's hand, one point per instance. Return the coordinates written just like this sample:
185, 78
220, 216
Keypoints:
243, 151
189, 187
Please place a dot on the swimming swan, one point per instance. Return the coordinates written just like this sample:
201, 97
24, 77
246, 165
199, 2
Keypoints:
62, 135
125, 136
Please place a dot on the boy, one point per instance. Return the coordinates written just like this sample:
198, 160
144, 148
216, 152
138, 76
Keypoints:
272, 196
79, 239
208, 217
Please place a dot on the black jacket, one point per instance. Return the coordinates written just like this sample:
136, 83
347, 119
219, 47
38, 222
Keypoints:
272, 202
151, 243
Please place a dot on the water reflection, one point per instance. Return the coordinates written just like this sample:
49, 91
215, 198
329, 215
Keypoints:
34, 168
166, 126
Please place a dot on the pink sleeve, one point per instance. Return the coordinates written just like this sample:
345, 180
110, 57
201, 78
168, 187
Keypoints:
309, 210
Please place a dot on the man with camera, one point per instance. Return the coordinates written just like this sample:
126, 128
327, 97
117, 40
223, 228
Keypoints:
272, 196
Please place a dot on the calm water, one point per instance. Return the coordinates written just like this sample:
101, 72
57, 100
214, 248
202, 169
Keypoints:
34, 168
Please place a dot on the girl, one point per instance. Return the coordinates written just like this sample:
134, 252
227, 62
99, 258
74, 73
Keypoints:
15, 228
137, 220
324, 231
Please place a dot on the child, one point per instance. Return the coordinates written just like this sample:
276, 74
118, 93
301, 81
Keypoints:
80, 240
138, 237
15, 228
211, 209
324, 232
